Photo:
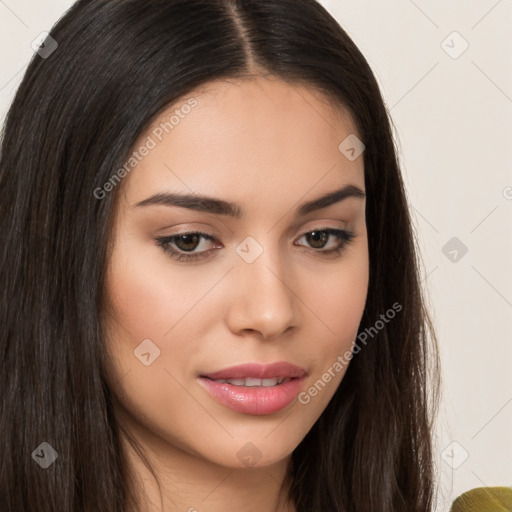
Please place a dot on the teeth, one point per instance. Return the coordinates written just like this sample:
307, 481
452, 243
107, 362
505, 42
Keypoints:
252, 382
236, 382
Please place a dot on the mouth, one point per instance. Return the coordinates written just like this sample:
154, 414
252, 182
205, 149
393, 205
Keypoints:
254, 372
254, 388
251, 382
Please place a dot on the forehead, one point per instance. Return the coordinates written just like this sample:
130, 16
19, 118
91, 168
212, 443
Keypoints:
262, 134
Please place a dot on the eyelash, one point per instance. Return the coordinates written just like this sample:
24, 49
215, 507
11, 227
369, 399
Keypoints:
343, 235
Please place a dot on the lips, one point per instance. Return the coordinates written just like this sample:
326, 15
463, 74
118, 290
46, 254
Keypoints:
250, 382
254, 388
280, 370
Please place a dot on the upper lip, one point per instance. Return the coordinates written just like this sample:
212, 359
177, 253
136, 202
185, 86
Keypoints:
258, 371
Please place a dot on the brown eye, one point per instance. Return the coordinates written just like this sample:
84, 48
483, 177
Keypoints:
177, 246
317, 239
187, 242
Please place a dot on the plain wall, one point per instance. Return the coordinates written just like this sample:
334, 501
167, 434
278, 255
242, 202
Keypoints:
453, 116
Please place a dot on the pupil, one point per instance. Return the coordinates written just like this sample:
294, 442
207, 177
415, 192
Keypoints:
316, 235
184, 238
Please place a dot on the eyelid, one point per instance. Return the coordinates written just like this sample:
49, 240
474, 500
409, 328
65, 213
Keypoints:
210, 236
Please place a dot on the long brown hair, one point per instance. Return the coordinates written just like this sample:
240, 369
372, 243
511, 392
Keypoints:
72, 123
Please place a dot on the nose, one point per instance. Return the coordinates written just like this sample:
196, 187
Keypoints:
263, 299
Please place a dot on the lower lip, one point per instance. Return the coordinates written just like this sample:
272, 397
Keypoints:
256, 400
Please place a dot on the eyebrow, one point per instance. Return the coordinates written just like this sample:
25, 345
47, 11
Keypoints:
221, 207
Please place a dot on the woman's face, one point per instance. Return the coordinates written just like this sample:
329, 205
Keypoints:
264, 286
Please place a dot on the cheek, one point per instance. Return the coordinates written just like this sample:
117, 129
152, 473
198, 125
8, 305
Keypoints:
145, 308
342, 302
339, 303
339, 299
141, 303
148, 307
147, 299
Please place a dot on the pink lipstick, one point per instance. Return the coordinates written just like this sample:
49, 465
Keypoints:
255, 389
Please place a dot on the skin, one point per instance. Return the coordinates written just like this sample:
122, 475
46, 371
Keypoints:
267, 146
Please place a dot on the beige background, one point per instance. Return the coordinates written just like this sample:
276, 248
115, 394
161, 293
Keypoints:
452, 111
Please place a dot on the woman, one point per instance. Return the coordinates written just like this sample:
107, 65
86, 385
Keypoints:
211, 297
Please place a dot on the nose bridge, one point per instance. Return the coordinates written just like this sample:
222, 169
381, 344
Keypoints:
264, 299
